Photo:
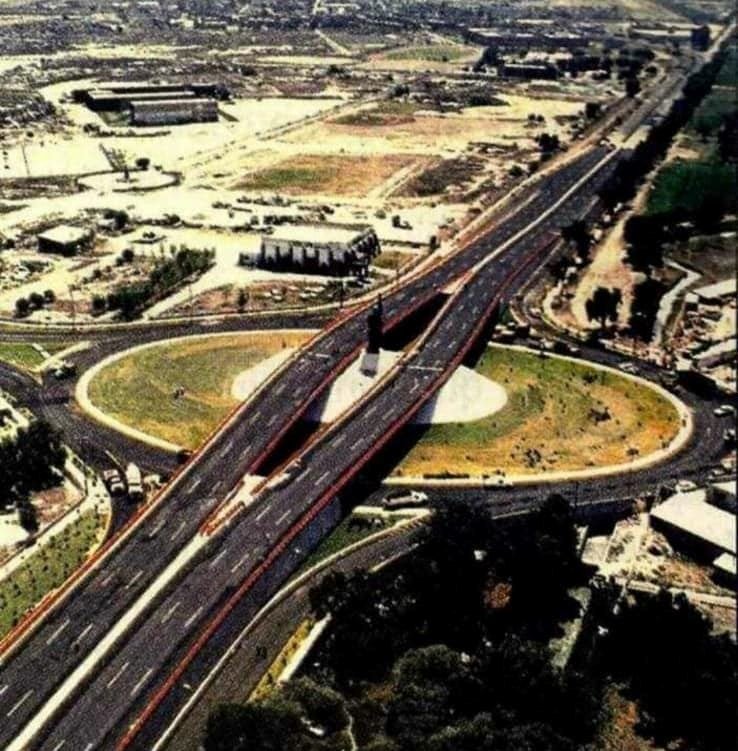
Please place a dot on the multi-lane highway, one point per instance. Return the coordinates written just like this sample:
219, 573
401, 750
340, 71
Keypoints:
113, 658
64, 640
163, 637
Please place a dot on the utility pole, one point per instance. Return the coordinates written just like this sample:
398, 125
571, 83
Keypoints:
74, 312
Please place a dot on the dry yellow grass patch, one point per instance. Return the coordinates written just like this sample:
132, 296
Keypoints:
139, 390
560, 416
327, 174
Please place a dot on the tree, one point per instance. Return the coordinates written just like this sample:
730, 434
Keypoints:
36, 300
22, 307
431, 686
243, 300
644, 308
632, 86
548, 143
323, 706
272, 726
645, 235
592, 110
49, 296
99, 304
27, 515
603, 305
579, 234
728, 137
684, 693
32, 460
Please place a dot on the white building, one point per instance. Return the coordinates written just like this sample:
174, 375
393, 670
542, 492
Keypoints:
320, 248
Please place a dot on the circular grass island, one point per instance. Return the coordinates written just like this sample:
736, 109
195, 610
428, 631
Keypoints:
562, 415
179, 390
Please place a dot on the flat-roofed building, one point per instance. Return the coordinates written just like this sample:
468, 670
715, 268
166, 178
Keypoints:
173, 111
320, 248
691, 522
65, 240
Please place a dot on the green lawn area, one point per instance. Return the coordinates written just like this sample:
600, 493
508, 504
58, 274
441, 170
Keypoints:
389, 112
345, 534
435, 53
684, 185
286, 177
332, 174
714, 107
139, 389
395, 259
21, 355
48, 568
560, 415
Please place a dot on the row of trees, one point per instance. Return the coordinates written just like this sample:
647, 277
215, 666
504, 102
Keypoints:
624, 182
30, 461
35, 301
646, 234
662, 652
167, 274
447, 652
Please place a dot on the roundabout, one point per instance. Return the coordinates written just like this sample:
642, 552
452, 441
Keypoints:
516, 416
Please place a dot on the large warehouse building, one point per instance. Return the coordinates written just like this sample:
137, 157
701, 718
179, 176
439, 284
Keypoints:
156, 104
320, 248
173, 111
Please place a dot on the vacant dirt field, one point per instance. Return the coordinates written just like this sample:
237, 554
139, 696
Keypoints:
408, 127
560, 415
329, 174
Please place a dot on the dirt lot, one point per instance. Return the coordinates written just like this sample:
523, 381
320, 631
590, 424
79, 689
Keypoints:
328, 175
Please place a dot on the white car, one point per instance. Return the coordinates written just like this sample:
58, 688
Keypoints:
401, 499
684, 486
724, 410
628, 367
114, 482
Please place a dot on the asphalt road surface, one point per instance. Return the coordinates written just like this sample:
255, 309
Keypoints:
107, 705
29, 675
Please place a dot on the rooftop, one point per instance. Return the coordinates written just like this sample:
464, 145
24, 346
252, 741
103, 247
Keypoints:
162, 104
725, 562
65, 234
728, 487
691, 513
319, 233
719, 289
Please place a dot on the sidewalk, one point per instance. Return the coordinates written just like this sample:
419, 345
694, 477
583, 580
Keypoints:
97, 497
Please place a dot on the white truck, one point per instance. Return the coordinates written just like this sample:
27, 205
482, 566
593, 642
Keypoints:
133, 480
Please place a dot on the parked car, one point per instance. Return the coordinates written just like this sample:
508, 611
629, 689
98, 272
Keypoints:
724, 410
64, 370
114, 482
404, 499
684, 486
628, 367
133, 479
